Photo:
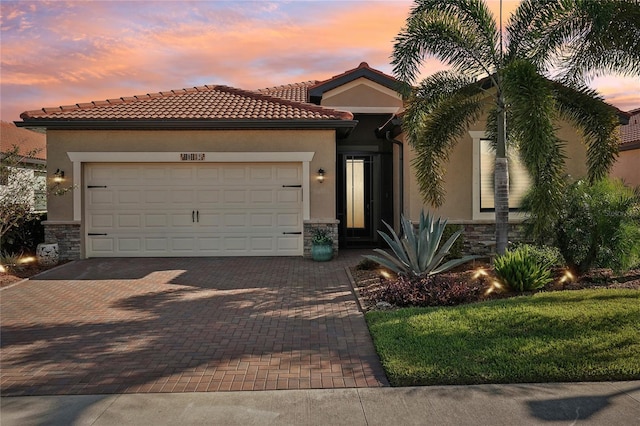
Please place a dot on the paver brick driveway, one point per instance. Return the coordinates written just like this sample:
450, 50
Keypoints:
183, 325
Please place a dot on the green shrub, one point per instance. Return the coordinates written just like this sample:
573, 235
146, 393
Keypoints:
25, 236
520, 270
599, 226
418, 252
544, 255
367, 265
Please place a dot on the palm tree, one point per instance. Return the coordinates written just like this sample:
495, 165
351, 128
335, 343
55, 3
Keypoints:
537, 76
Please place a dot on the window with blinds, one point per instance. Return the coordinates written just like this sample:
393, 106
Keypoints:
519, 180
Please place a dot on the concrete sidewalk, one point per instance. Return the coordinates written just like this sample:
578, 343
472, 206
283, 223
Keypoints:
606, 403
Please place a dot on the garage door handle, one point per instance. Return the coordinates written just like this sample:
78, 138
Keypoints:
198, 216
292, 233
292, 186
193, 216
96, 186
92, 234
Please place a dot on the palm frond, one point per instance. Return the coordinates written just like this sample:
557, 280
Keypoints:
597, 121
579, 39
437, 114
532, 122
461, 33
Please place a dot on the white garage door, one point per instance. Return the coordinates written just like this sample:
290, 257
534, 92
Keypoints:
211, 209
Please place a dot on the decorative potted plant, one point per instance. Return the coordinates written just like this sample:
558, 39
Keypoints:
321, 246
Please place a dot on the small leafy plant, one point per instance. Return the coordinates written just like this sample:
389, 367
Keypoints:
10, 261
520, 270
321, 237
416, 252
367, 265
544, 255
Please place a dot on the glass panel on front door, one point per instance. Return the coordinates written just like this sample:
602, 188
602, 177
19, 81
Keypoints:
355, 193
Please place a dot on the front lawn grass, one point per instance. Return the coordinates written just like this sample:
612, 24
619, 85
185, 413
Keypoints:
565, 336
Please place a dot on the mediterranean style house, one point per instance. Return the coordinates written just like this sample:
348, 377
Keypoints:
220, 171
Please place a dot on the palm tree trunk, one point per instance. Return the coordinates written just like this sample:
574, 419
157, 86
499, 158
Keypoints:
501, 181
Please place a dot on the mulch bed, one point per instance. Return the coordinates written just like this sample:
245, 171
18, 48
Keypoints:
597, 278
26, 271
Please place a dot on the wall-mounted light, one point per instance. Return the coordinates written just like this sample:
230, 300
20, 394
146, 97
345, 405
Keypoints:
321, 175
58, 176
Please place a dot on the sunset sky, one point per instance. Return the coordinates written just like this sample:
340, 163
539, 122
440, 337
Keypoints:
65, 52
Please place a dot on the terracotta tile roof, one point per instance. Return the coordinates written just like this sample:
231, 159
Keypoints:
297, 92
28, 141
630, 133
362, 67
196, 103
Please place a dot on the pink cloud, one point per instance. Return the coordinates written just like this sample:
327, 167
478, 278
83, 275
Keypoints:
56, 53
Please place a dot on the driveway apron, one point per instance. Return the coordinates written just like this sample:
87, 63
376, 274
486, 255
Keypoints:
182, 325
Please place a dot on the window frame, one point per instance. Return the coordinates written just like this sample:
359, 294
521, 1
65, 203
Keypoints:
479, 213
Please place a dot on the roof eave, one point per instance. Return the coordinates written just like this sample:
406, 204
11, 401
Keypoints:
628, 146
343, 127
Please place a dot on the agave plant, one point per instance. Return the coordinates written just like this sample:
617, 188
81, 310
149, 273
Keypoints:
416, 252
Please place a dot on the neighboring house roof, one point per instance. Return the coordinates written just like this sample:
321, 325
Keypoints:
630, 133
297, 92
27, 140
203, 107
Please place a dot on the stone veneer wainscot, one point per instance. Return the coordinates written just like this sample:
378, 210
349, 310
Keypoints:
67, 235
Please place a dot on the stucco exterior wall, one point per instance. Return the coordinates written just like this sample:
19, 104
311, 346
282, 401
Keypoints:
361, 93
458, 178
322, 142
627, 167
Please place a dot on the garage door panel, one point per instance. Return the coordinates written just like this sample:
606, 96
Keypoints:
102, 221
100, 197
262, 196
154, 174
261, 173
101, 245
236, 196
155, 196
129, 221
209, 173
182, 220
206, 196
156, 220
209, 219
183, 196
129, 244
234, 175
150, 209
128, 197
289, 197
185, 244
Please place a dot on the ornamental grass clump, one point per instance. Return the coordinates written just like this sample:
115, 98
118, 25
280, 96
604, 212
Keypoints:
521, 270
418, 252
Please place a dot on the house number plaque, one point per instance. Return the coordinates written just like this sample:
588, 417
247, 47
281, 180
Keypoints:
192, 156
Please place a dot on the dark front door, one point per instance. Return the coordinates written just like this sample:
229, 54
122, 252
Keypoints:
358, 203
364, 197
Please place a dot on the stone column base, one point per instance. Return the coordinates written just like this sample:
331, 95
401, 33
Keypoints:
67, 235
